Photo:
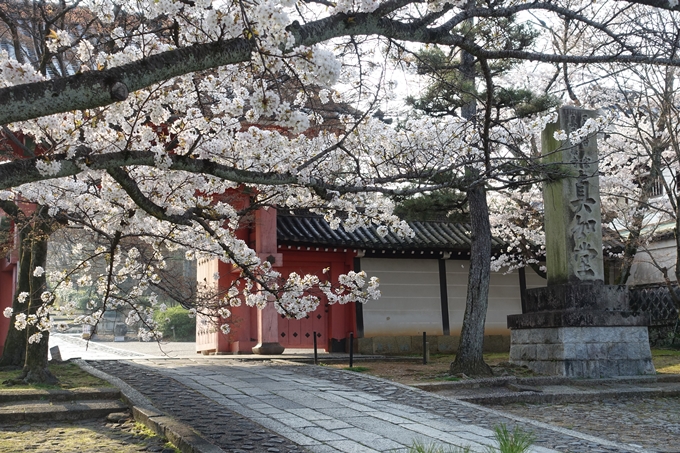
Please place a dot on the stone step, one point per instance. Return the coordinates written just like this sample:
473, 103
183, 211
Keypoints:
47, 410
58, 395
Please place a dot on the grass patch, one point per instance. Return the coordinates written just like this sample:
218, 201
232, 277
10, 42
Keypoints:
358, 369
141, 431
666, 361
70, 376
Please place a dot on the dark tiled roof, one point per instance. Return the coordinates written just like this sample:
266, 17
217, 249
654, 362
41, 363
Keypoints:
311, 230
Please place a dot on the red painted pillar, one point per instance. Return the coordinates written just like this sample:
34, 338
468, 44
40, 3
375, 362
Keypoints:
268, 318
7, 289
341, 317
8, 286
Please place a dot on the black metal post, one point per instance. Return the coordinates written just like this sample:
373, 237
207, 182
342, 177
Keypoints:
351, 349
424, 348
316, 354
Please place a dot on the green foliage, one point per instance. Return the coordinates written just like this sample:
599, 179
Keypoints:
517, 441
451, 88
177, 317
444, 205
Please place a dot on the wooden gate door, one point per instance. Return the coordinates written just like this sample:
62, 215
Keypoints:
299, 333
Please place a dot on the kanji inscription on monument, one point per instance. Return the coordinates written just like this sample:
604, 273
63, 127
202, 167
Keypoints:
572, 203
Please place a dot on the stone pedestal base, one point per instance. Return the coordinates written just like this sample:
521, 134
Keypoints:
585, 352
268, 349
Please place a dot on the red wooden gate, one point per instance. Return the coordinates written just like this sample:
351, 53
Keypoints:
299, 333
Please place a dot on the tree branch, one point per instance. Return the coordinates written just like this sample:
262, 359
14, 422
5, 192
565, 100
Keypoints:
99, 88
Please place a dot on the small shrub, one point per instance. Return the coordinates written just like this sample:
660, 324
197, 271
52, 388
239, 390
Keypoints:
517, 441
417, 447
177, 317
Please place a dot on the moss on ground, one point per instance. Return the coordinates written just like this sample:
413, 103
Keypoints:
70, 376
81, 435
666, 361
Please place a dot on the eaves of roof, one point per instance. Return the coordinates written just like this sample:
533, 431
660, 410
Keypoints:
313, 231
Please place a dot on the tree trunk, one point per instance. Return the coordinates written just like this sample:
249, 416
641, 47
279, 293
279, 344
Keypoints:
35, 367
14, 352
18, 352
672, 289
633, 239
469, 358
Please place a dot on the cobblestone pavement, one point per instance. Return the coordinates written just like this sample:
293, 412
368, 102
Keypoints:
265, 407
78, 436
654, 423
217, 423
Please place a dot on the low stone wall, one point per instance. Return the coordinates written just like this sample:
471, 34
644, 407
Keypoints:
586, 352
438, 344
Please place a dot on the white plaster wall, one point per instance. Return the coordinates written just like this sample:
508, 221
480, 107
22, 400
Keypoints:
206, 270
644, 272
410, 303
504, 296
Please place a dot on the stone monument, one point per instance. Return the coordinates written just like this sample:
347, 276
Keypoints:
577, 326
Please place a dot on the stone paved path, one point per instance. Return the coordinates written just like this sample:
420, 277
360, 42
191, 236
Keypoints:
321, 410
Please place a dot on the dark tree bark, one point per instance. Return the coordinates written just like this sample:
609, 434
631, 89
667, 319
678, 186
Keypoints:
35, 367
469, 358
18, 352
14, 352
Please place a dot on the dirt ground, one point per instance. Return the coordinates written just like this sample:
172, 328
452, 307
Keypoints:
410, 370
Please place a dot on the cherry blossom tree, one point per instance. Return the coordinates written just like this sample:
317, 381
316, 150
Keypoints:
144, 122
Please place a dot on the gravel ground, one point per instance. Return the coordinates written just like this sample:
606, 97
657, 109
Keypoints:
98, 435
652, 423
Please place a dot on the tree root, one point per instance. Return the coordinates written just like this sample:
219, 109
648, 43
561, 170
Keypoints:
36, 376
471, 368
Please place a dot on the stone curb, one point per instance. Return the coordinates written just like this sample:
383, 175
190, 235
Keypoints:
576, 397
183, 437
8, 396
544, 380
46, 411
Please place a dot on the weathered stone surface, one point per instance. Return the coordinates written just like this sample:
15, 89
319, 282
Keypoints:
414, 344
572, 203
392, 345
577, 296
448, 343
576, 318
589, 352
